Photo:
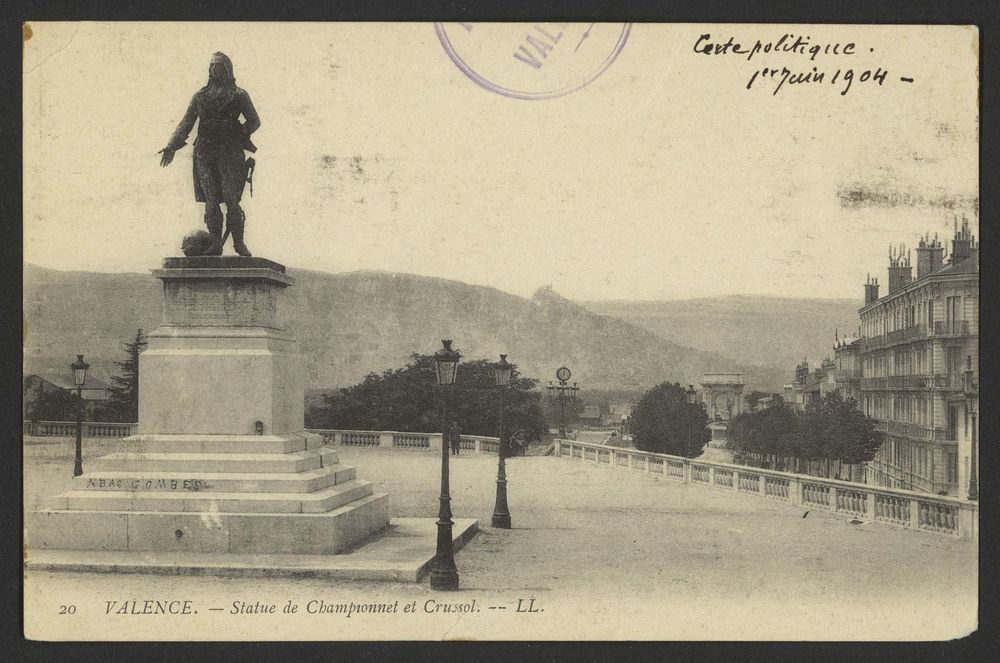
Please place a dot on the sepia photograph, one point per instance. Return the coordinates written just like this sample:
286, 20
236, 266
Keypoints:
339, 331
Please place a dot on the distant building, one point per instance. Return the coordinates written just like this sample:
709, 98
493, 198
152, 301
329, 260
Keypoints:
94, 393
616, 412
847, 366
591, 416
809, 386
920, 367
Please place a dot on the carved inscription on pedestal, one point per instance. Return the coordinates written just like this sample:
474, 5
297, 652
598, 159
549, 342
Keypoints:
219, 304
179, 484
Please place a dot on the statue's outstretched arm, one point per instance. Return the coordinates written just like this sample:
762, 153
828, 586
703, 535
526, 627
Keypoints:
179, 137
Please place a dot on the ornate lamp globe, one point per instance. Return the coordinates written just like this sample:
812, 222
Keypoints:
691, 394
79, 371
446, 363
502, 372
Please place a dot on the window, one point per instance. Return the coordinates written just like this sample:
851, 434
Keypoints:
953, 422
953, 311
953, 360
951, 466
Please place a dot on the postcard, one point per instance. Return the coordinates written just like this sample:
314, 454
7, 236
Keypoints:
500, 331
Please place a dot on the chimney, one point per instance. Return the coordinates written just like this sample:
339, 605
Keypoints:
964, 242
802, 373
930, 256
871, 290
900, 272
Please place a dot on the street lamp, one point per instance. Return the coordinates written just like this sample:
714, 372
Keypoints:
444, 575
79, 379
563, 392
972, 396
501, 514
691, 395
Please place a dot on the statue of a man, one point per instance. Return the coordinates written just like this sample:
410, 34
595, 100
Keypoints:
220, 167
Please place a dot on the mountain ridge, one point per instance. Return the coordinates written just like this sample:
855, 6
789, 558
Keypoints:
352, 323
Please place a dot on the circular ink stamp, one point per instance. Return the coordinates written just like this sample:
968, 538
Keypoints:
533, 60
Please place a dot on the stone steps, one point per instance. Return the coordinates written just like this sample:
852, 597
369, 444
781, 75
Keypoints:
195, 482
327, 533
247, 444
319, 501
239, 463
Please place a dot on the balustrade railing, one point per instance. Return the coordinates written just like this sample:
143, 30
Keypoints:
404, 440
952, 516
411, 441
68, 429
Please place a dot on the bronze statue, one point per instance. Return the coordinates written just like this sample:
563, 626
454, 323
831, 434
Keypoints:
220, 168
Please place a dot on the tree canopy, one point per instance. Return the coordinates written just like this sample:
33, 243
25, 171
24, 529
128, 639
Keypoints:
829, 428
123, 394
664, 422
52, 405
408, 400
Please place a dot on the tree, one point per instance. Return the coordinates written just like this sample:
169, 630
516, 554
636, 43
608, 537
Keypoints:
829, 428
664, 422
50, 405
770, 431
839, 430
407, 399
123, 394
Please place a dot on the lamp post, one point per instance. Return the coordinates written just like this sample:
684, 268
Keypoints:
563, 392
79, 379
691, 395
444, 575
972, 396
501, 513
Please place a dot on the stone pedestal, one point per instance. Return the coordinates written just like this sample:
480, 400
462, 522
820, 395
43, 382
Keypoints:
221, 463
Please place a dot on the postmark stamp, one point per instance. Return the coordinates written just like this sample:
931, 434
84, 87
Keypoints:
533, 60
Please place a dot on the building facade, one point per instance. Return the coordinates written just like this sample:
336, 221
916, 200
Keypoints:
847, 366
810, 385
919, 361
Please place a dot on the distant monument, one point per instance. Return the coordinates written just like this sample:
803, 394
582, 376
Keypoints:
722, 394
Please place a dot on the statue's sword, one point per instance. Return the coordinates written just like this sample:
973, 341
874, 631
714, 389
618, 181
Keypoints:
251, 164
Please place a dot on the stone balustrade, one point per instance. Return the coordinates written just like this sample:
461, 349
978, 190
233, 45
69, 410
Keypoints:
68, 429
952, 516
397, 440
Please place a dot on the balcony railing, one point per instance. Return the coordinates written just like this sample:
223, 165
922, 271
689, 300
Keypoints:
940, 328
929, 513
952, 328
918, 431
939, 381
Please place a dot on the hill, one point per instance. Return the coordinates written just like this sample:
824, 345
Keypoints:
354, 323
768, 331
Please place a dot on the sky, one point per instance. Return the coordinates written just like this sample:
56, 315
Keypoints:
662, 178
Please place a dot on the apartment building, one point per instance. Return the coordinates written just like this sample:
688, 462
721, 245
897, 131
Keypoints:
919, 361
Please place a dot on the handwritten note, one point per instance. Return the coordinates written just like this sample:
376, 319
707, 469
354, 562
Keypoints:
822, 63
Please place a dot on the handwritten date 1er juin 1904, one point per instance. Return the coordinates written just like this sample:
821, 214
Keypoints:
790, 44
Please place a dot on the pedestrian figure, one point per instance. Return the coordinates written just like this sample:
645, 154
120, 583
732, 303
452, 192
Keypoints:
455, 438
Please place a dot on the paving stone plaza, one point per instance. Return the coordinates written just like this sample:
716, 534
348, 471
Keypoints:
707, 563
